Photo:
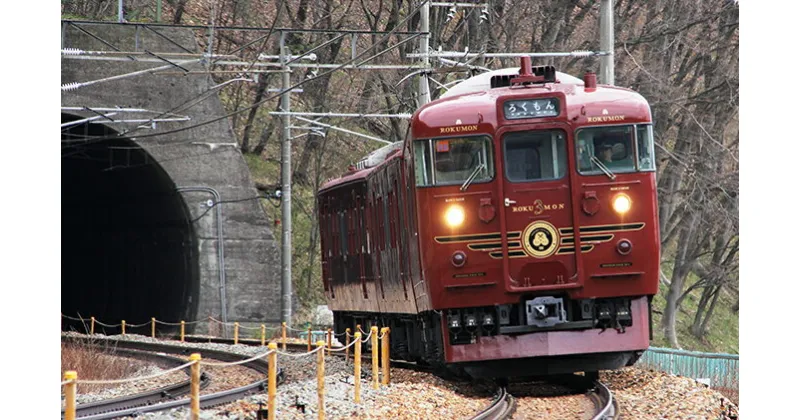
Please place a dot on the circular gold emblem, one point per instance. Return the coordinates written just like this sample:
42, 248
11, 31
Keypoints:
540, 239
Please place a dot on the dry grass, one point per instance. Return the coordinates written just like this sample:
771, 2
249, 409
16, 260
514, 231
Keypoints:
96, 363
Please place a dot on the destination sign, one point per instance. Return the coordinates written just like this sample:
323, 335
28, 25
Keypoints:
530, 108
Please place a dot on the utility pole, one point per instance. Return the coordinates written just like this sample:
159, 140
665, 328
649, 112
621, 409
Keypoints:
424, 44
607, 41
286, 189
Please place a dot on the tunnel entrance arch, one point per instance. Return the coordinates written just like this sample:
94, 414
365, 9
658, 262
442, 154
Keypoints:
129, 249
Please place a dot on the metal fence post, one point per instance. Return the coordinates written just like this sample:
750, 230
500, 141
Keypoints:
69, 394
272, 380
321, 379
374, 333
357, 374
195, 387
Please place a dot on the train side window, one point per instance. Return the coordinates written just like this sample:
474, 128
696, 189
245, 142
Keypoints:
535, 155
644, 148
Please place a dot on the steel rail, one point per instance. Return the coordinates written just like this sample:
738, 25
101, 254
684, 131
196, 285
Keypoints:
206, 401
144, 398
604, 401
502, 407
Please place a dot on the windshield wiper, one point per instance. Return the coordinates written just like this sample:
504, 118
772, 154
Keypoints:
603, 168
472, 176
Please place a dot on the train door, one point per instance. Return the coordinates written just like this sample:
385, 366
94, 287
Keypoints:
537, 250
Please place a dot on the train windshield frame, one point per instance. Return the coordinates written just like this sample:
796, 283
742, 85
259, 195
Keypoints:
618, 148
535, 155
451, 160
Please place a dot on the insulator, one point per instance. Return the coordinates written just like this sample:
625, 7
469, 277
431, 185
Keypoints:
71, 86
581, 53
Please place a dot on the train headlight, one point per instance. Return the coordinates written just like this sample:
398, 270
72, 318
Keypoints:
454, 216
621, 203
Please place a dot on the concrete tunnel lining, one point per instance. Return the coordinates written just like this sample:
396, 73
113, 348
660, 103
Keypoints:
129, 247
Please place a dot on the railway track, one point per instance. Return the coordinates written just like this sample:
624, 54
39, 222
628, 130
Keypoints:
149, 401
144, 398
504, 405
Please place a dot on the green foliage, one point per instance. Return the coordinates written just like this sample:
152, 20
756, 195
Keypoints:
723, 328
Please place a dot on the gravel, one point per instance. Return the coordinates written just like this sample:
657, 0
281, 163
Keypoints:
641, 394
647, 394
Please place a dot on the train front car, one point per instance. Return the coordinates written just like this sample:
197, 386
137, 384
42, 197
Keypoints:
538, 233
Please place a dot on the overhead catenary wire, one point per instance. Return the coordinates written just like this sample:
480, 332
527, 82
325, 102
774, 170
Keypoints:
303, 82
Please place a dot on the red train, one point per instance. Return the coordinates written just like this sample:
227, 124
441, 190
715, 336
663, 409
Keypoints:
513, 233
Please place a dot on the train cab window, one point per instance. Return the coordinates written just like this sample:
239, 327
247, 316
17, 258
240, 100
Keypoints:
644, 147
605, 149
535, 155
453, 160
615, 149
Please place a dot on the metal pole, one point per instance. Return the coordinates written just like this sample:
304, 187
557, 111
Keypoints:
119, 11
424, 43
158, 11
286, 191
607, 41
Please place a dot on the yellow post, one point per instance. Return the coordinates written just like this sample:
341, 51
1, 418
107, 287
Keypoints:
195, 395
283, 335
330, 335
385, 355
263, 334
358, 328
183, 331
357, 356
123, 328
69, 393
92, 329
272, 383
235, 333
321, 379
347, 346
309, 338
374, 331
153, 327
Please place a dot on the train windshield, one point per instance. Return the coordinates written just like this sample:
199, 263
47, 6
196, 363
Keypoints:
616, 149
453, 160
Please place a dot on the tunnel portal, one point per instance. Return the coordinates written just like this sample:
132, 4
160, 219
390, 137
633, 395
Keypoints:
128, 244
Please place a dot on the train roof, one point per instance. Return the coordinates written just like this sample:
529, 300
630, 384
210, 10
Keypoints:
474, 101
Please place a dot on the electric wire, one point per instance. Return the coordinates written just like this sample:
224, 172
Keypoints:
303, 82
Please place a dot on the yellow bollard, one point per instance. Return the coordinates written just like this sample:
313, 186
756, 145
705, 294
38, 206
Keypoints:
309, 338
183, 331
272, 381
69, 394
153, 327
357, 360
123, 328
283, 335
321, 379
385, 355
330, 335
235, 333
358, 328
195, 395
347, 346
92, 330
263, 334
374, 331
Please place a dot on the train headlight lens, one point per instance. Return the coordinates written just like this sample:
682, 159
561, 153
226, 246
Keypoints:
454, 216
621, 204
